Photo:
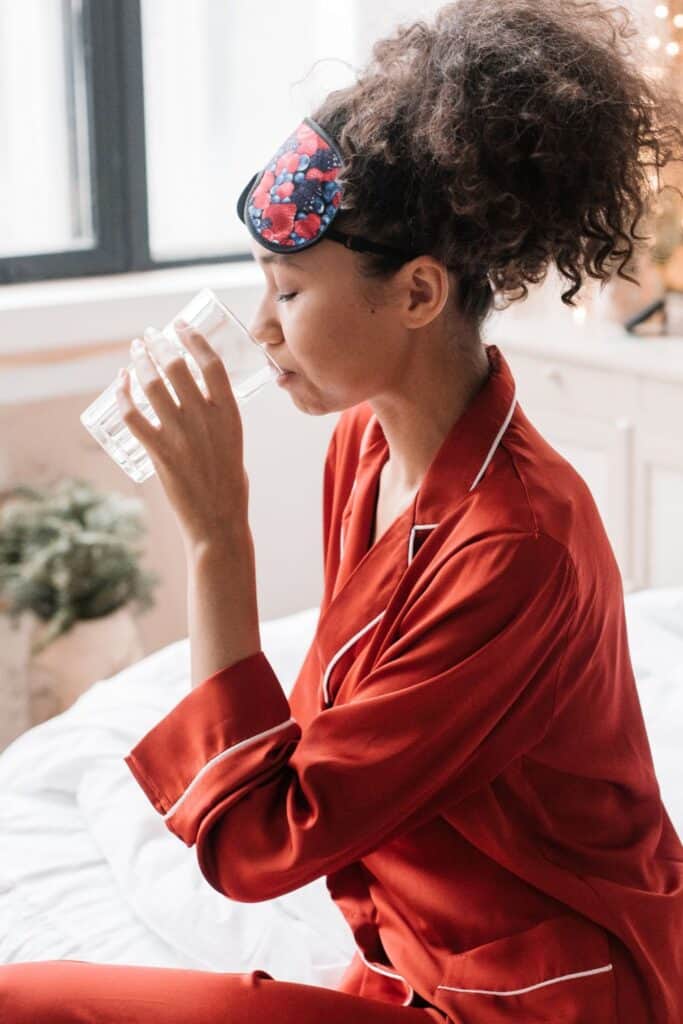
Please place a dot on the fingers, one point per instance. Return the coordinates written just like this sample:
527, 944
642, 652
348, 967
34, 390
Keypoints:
161, 358
140, 427
209, 362
156, 361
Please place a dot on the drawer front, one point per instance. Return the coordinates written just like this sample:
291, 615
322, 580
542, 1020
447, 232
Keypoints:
586, 391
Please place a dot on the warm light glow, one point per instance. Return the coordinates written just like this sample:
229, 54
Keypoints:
672, 49
653, 43
678, 20
661, 11
579, 314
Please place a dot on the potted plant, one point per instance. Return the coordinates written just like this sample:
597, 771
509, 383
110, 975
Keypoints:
69, 574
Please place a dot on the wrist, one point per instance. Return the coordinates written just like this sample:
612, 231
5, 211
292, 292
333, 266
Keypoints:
234, 541
223, 622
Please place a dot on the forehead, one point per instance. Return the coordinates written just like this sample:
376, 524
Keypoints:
316, 257
274, 259
267, 258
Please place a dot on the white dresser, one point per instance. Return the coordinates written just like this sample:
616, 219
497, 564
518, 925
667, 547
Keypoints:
612, 404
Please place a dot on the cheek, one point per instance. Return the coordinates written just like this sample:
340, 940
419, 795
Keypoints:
329, 334
313, 329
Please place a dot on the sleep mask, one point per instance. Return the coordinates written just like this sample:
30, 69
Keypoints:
291, 203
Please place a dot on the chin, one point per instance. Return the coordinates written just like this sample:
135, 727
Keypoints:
314, 402
313, 410
310, 403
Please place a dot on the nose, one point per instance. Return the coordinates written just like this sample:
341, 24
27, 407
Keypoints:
265, 330
268, 344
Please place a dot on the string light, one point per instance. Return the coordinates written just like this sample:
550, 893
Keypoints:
655, 42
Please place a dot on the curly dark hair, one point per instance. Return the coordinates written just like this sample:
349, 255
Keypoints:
501, 136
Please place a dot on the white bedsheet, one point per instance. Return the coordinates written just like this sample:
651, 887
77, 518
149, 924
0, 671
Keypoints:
88, 871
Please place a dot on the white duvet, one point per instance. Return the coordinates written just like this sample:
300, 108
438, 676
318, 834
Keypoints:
88, 870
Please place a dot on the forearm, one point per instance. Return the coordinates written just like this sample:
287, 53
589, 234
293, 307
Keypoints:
222, 605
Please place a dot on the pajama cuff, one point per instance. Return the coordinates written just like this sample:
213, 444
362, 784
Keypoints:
231, 730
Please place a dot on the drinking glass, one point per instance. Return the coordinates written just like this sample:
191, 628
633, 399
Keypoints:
249, 369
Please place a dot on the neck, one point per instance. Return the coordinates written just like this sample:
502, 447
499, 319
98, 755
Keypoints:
417, 417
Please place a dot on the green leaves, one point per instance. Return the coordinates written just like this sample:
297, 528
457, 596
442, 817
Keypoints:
69, 552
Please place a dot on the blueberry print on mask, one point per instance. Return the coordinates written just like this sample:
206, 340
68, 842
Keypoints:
293, 200
291, 203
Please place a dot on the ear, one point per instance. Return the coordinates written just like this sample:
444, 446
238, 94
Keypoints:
425, 288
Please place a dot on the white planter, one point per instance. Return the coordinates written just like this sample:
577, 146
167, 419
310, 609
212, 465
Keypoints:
15, 641
91, 650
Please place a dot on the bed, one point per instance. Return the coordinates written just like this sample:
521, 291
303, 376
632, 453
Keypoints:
89, 872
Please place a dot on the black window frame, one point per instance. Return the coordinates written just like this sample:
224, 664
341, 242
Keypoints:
112, 33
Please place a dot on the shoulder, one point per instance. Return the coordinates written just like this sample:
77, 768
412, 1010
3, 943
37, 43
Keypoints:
520, 558
486, 584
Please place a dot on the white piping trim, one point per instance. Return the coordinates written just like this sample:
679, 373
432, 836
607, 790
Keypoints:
221, 757
411, 539
482, 470
521, 991
342, 650
496, 442
389, 974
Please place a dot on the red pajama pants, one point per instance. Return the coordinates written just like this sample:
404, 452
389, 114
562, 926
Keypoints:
77, 992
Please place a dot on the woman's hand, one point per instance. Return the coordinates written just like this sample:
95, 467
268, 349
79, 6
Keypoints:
197, 449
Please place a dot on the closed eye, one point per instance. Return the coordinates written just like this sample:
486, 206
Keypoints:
286, 298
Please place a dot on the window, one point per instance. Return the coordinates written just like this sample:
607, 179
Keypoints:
45, 173
128, 128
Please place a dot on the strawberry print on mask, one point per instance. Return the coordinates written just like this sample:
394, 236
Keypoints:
290, 204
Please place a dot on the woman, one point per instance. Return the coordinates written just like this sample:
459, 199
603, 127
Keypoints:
463, 754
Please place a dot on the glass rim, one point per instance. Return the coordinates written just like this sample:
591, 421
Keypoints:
230, 315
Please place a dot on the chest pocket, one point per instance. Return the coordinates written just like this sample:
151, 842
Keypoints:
559, 970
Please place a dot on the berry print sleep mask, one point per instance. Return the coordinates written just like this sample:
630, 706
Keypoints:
290, 204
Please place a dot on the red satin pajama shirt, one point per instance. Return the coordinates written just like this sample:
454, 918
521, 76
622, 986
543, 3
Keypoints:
463, 756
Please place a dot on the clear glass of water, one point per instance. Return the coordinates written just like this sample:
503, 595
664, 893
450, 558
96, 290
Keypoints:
249, 369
